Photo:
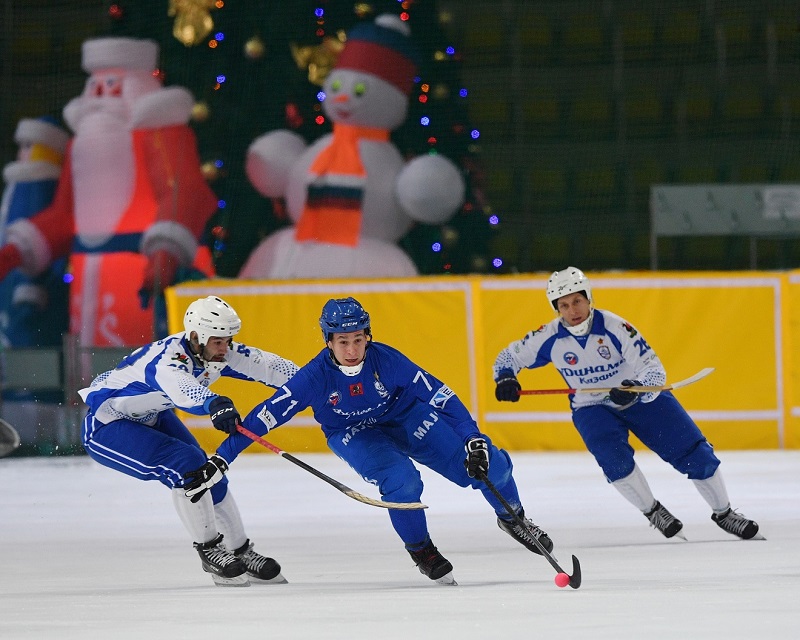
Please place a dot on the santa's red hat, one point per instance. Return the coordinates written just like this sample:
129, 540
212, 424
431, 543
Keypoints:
119, 53
382, 48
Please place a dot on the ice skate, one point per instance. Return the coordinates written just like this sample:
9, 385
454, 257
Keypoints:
525, 536
738, 525
433, 564
225, 568
260, 569
664, 521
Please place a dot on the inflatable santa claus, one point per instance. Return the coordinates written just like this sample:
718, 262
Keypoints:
131, 201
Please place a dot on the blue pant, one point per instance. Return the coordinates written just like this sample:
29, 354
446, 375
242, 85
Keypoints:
382, 455
662, 425
163, 452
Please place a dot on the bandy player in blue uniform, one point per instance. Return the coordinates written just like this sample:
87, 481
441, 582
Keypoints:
596, 348
131, 427
379, 411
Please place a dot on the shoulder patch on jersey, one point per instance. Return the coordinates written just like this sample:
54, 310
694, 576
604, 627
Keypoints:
181, 357
441, 397
267, 418
629, 328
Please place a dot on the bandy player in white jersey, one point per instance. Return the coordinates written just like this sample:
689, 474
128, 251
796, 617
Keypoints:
596, 348
131, 427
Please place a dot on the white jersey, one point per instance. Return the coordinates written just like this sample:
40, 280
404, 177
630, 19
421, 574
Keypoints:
611, 352
165, 375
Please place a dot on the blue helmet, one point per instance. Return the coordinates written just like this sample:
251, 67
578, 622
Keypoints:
343, 315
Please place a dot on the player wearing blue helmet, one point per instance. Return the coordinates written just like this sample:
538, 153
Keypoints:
381, 413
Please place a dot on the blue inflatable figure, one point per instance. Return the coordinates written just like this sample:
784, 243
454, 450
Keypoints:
33, 311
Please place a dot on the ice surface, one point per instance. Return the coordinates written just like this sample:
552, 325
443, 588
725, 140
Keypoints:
89, 553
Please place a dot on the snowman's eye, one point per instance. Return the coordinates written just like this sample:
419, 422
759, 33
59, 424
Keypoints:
360, 89
336, 85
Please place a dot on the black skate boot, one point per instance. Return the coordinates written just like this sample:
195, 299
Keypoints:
526, 536
433, 564
736, 524
261, 569
664, 521
225, 568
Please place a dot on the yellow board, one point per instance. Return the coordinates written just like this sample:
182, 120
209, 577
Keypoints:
429, 320
728, 322
742, 324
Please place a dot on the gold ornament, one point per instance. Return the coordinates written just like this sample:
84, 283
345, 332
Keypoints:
319, 59
254, 48
200, 112
192, 20
210, 171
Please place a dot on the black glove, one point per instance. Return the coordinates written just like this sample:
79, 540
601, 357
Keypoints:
620, 397
507, 389
477, 460
200, 480
224, 415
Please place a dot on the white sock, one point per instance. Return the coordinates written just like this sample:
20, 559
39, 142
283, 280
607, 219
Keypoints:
197, 517
229, 521
634, 489
714, 492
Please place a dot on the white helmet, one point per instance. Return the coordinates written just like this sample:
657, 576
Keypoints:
570, 280
211, 317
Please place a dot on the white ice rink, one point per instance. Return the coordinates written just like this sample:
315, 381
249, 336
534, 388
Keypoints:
89, 553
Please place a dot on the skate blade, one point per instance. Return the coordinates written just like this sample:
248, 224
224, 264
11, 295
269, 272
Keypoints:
238, 581
279, 579
447, 579
758, 536
681, 536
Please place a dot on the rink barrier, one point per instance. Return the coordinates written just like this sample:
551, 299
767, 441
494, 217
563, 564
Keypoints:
744, 324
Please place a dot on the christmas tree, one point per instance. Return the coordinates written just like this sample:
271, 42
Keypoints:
255, 66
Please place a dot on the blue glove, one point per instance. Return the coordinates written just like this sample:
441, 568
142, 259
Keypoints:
507, 389
224, 415
620, 397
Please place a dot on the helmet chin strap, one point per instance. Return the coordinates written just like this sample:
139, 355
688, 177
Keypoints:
580, 329
350, 371
209, 365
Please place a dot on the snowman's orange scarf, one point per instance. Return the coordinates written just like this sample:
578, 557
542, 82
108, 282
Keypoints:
333, 203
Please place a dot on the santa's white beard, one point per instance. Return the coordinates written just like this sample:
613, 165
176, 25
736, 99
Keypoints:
103, 169
97, 115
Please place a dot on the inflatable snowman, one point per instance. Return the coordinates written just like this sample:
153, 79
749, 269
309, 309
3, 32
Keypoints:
351, 195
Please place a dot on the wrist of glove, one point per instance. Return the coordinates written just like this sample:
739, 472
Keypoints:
622, 397
477, 460
507, 389
224, 415
200, 480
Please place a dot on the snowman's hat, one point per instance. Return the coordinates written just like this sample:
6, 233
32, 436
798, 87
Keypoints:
119, 53
382, 48
44, 131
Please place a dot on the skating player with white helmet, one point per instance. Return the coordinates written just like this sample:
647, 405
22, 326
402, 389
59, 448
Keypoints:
131, 427
596, 348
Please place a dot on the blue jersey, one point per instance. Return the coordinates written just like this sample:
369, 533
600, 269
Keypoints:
165, 375
385, 391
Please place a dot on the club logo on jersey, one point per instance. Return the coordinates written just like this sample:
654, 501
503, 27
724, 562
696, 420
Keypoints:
570, 358
382, 392
604, 352
631, 331
441, 397
182, 358
357, 389
334, 398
